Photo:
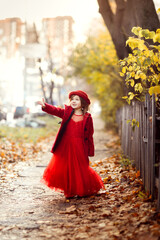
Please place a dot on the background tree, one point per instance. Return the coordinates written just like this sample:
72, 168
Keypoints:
46, 86
97, 62
121, 15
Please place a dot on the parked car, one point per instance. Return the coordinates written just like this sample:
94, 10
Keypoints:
29, 121
3, 115
20, 111
37, 111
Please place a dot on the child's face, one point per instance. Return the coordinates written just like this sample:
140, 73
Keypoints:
75, 102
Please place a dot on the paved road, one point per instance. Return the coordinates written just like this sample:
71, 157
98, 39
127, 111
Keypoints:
28, 209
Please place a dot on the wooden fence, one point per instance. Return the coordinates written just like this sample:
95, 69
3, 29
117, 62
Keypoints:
143, 143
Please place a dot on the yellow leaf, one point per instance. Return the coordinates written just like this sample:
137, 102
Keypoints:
142, 46
143, 76
151, 35
131, 95
155, 58
138, 87
154, 90
158, 10
125, 97
136, 30
121, 74
144, 33
132, 82
124, 70
137, 76
156, 38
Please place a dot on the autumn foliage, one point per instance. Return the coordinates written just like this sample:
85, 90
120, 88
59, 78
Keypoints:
141, 69
97, 63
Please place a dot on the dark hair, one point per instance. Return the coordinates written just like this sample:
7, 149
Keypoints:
84, 104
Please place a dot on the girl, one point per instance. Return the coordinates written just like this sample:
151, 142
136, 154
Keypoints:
69, 169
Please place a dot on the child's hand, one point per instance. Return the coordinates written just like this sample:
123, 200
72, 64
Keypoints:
42, 103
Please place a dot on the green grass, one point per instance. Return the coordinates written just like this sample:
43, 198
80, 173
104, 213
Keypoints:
31, 135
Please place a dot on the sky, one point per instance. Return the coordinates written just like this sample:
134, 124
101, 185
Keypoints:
157, 3
48, 8
82, 11
32, 9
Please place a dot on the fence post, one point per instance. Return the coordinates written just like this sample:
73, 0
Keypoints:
142, 144
146, 139
153, 147
158, 200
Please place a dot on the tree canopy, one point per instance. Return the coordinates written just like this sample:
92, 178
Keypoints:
141, 69
96, 61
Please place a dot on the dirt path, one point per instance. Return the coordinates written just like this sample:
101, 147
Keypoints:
28, 207
29, 210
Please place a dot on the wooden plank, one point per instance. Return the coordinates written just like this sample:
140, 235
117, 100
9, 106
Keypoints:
134, 157
138, 117
145, 144
137, 135
124, 132
148, 163
142, 143
142, 146
158, 200
122, 140
153, 127
133, 137
123, 129
146, 135
127, 131
130, 116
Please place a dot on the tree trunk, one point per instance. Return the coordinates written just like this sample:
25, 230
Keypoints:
47, 88
128, 14
42, 83
51, 85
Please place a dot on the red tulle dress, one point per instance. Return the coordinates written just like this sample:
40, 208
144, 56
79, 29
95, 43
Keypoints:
68, 169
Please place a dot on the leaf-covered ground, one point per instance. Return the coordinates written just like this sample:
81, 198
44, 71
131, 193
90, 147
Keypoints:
29, 210
11, 153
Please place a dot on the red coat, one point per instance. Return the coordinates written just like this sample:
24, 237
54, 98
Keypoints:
64, 113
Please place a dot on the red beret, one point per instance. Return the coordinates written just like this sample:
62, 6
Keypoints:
80, 94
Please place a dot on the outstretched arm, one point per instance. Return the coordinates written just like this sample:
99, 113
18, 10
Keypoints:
42, 103
50, 109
